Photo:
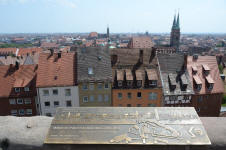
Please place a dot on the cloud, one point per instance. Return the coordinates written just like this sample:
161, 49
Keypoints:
64, 3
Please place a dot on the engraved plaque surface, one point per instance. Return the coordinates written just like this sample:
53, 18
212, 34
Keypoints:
127, 125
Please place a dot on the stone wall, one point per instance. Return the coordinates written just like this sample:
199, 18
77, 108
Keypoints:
28, 133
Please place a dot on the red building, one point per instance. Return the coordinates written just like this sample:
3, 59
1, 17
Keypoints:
18, 90
207, 84
140, 42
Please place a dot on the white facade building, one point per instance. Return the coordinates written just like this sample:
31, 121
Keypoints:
50, 98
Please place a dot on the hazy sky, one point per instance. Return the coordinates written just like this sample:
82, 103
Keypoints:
42, 16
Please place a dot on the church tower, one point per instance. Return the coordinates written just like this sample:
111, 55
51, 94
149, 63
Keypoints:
108, 32
175, 33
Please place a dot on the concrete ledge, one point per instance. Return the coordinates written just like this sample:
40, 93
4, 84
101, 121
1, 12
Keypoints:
28, 133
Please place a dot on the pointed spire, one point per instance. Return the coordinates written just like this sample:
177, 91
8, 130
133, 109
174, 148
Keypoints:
174, 21
178, 22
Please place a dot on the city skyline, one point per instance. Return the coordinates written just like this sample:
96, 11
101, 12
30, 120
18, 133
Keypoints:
76, 16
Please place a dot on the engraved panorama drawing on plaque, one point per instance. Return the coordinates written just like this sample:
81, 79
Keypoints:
127, 125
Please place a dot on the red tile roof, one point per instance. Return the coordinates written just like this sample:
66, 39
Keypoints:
207, 62
54, 71
8, 50
25, 51
10, 77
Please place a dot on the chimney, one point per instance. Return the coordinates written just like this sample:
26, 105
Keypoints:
51, 52
17, 65
141, 56
59, 55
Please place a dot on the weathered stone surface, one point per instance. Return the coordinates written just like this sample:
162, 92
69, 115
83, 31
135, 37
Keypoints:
127, 125
23, 138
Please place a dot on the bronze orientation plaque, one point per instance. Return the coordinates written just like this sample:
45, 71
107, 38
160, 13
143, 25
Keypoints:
127, 125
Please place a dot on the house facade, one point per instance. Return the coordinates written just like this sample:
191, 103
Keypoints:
57, 82
18, 90
136, 81
94, 76
206, 83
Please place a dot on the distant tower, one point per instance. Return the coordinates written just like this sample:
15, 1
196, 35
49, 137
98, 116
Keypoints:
108, 34
175, 33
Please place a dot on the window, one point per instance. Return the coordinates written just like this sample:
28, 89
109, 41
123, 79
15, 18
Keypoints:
138, 105
85, 99
47, 104
12, 101
67, 92
151, 105
21, 111
91, 98
46, 92
90, 70
14, 112
55, 92
173, 98
99, 86
19, 101
106, 86
128, 105
129, 83
200, 99
119, 83
29, 111
85, 86
68, 103
106, 98
27, 101
139, 95
129, 95
26, 89
139, 83
100, 98
119, 95
152, 96
17, 90
91, 86
153, 83
56, 103
48, 114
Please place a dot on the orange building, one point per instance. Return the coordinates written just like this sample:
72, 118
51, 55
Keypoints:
136, 80
137, 97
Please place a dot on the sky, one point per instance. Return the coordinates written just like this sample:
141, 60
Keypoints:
122, 16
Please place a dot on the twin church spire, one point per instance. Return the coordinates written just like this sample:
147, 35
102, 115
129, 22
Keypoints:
176, 22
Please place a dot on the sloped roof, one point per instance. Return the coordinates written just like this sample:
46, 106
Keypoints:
97, 58
54, 71
129, 57
213, 74
25, 51
172, 65
10, 77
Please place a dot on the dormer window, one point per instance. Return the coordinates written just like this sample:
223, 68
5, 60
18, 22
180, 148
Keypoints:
17, 90
209, 83
139, 83
153, 83
206, 69
90, 70
184, 82
194, 70
172, 82
129, 83
120, 83
197, 83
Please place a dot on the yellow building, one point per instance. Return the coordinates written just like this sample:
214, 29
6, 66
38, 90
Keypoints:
94, 76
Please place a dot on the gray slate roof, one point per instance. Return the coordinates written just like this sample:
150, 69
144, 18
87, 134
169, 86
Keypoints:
172, 64
97, 58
